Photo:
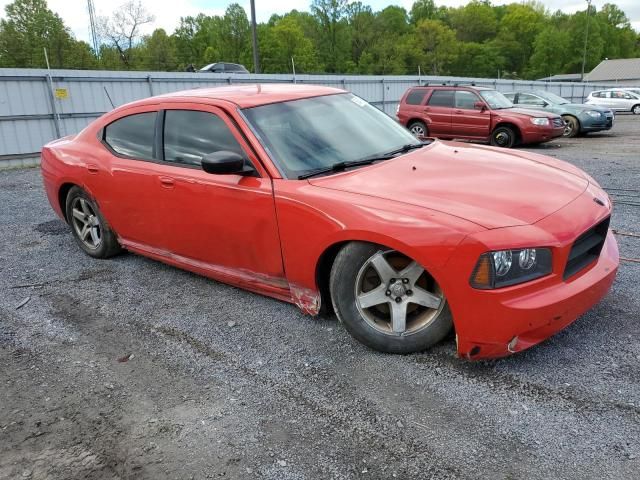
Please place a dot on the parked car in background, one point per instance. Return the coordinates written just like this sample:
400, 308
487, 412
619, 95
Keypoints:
223, 67
474, 113
313, 196
620, 100
578, 118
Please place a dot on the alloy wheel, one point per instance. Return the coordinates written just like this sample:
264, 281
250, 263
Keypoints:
568, 128
418, 131
395, 295
86, 223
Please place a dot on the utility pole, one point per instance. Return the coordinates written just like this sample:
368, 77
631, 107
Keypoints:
256, 54
93, 28
586, 39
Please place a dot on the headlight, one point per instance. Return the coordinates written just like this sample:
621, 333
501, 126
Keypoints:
503, 268
592, 113
540, 120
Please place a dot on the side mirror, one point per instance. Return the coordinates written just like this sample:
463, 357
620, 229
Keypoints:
480, 106
223, 163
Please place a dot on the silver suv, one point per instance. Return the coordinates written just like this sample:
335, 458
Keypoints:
618, 99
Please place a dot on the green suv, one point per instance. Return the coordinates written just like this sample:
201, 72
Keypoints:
579, 118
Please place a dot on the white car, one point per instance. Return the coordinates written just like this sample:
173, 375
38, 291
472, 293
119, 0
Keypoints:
618, 99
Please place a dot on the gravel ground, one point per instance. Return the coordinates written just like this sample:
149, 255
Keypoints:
128, 368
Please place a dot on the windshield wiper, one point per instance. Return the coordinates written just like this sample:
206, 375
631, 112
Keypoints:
336, 167
340, 166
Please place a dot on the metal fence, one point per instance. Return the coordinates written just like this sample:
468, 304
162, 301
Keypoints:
37, 106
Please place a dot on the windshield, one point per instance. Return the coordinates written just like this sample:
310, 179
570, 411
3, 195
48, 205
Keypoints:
552, 97
495, 99
313, 133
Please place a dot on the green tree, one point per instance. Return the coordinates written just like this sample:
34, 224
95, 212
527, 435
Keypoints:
474, 22
332, 39
438, 45
547, 59
29, 28
158, 52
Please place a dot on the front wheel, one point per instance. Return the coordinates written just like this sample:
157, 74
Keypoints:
571, 126
503, 137
636, 109
386, 300
89, 228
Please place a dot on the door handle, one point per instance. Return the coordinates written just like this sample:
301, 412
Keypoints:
458, 111
93, 169
167, 182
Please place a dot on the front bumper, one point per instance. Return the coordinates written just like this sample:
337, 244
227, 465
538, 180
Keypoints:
496, 323
535, 317
541, 133
590, 124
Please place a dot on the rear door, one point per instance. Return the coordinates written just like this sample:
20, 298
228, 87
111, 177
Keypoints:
438, 109
128, 191
466, 120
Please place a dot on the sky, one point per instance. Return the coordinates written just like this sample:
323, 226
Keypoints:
167, 14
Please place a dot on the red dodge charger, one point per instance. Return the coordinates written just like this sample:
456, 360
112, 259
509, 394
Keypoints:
311, 195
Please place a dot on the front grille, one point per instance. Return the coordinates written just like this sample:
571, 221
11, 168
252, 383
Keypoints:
586, 249
558, 122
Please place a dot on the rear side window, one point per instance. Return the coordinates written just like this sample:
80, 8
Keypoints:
416, 96
597, 94
189, 135
441, 98
132, 136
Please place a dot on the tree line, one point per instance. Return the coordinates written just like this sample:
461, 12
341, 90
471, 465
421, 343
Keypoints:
518, 40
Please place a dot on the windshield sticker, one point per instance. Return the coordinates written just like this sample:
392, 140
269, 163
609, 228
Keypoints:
358, 101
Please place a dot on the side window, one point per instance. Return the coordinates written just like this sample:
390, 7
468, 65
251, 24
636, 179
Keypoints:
465, 100
595, 94
416, 96
511, 97
132, 136
528, 99
190, 134
441, 98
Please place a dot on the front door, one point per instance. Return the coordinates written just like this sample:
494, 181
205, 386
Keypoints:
224, 224
467, 121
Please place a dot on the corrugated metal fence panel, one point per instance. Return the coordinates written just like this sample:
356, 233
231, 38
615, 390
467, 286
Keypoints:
27, 121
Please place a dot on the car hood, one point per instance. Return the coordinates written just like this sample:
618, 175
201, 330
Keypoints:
488, 186
578, 107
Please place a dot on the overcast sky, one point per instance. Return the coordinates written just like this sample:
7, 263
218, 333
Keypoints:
167, 14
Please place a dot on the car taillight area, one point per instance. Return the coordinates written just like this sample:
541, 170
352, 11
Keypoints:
586, 249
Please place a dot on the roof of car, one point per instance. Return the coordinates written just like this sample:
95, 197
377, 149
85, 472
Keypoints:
453, 87
246, 96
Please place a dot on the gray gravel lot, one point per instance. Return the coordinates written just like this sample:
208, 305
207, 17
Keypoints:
225, 383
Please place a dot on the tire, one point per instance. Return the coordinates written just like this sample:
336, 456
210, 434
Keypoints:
416, 127
373, 325
504, 137
88, 226
636, 109
571, 126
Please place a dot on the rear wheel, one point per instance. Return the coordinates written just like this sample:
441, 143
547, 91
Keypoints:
636, 109
504, 137
571, 126
386, 300
419, 129
89, 228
